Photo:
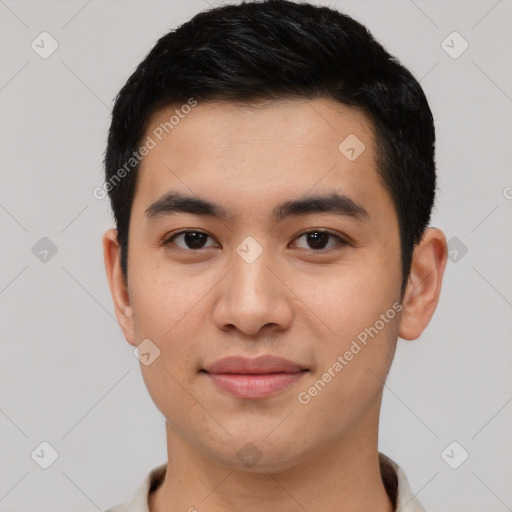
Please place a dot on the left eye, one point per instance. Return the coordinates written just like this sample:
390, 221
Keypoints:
195, 240
318, 239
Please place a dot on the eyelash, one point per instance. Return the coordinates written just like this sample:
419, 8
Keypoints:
341, 242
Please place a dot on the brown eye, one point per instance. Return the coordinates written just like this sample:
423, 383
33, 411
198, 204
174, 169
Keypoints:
317, 240
193, 240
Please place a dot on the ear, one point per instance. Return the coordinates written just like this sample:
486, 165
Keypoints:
424, 284
118, 284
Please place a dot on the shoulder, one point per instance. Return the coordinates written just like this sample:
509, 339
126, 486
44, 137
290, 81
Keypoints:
398, 486
139, 501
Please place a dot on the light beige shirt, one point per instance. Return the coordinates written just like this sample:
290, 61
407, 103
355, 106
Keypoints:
395, 481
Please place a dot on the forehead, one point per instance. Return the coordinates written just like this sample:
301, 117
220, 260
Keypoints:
252, 154
223, 127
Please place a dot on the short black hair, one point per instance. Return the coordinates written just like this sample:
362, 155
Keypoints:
276, 49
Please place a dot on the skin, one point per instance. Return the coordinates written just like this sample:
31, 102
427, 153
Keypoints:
293, 301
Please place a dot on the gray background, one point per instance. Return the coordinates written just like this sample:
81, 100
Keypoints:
69, 378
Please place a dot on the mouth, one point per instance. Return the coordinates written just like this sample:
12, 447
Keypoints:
256, 378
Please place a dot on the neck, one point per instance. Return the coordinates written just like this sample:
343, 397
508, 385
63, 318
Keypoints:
343, 476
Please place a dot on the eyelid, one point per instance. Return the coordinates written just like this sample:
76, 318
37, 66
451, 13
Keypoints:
321, 230
342, 240
168, 238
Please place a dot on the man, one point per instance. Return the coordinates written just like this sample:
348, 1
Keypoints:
271, 172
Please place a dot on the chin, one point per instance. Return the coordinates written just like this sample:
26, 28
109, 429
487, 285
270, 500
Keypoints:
257, 456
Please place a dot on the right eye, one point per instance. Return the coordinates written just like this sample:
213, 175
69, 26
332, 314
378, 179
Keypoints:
193, 240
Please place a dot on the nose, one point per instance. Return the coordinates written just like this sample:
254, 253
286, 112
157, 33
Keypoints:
254, 297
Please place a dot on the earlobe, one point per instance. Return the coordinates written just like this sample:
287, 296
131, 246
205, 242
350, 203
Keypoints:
118, 285
424, 284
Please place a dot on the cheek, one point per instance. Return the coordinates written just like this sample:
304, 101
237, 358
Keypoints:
359, 307
349, 380
174, 327
162, 299
168, 297
348, 298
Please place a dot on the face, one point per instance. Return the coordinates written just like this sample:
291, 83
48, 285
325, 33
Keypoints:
267, 272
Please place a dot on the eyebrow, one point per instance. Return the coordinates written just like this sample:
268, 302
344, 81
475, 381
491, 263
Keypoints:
333, 203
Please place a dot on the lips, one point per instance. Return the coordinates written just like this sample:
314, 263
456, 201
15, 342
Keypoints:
258, 365
256, 378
